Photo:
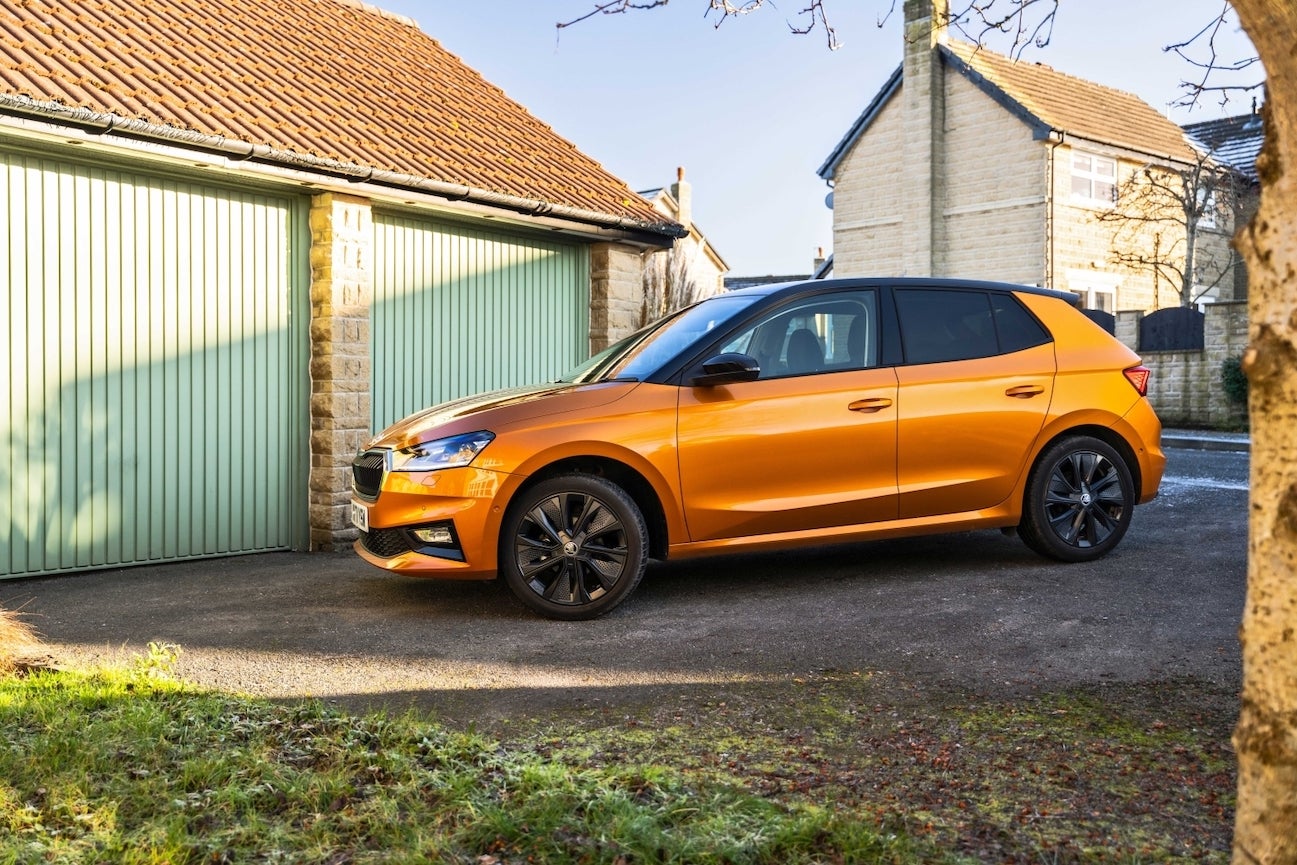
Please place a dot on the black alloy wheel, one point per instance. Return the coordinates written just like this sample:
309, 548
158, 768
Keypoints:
1079, 500
573, 547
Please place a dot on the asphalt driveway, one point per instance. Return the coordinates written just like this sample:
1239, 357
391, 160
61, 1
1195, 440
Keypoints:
975, 611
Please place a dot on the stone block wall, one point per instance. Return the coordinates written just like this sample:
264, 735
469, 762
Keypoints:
342, 284
1185, 386
616, 292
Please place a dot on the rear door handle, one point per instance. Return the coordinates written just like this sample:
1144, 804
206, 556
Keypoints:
871, 404
1025, 391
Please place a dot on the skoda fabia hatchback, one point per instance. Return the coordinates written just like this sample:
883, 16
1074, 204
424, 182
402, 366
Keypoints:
798, 414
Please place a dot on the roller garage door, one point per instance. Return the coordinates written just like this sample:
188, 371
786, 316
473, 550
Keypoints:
458, 310
155, 368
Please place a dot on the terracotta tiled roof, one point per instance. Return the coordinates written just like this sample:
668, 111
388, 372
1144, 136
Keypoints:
1073, 105
330, 80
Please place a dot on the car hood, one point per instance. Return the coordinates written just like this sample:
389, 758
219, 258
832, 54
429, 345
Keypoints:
497, 408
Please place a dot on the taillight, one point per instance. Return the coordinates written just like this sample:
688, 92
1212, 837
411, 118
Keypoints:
1138, 378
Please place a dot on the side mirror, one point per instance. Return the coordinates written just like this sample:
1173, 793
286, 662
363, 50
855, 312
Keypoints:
728, 368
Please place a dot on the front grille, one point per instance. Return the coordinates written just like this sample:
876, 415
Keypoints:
385, 543
367, 472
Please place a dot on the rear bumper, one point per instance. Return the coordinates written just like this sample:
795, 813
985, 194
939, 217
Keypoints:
1144, 433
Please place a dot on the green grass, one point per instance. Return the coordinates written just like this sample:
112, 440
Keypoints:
132, 766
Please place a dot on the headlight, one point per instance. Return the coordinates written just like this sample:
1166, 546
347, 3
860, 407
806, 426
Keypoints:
447, 453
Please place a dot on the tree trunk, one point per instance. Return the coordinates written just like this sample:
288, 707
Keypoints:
1266, 736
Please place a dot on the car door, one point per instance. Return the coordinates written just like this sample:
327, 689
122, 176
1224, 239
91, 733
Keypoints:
811, 443
972, 397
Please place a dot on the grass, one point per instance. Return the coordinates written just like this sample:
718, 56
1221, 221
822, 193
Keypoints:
130, 765
17, 641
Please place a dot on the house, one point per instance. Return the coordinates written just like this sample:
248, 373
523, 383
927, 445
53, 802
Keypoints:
966, 163
1236, 143
238, 236
689, 271
821, 268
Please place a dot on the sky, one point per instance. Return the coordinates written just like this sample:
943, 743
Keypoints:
751, 111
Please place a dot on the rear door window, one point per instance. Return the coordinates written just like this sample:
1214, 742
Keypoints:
940, 325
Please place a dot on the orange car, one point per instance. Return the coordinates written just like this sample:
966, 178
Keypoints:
839, 410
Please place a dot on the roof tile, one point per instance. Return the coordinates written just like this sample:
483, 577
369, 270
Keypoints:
1078, 107
333, 79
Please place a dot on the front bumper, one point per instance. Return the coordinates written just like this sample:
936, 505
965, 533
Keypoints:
462, 500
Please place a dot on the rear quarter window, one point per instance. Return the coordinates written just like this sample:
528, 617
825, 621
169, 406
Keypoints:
1018, 329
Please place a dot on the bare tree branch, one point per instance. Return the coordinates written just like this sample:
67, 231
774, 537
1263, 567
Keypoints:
813, 15
612, 7
1159, 219
977, 21
1211, 62
670, 282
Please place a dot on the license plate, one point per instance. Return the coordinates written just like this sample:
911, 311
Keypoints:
359, 516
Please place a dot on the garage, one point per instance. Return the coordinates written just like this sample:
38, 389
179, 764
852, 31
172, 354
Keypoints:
155, 367
460, 310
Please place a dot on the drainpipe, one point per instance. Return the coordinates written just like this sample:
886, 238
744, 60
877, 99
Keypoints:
1050, 223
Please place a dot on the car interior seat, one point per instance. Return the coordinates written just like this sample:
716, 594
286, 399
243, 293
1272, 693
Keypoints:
804, 352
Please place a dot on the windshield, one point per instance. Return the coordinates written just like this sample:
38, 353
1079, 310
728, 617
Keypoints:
645, 352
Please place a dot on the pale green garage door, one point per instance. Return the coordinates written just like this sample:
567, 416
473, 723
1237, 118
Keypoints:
458, 311
155, 369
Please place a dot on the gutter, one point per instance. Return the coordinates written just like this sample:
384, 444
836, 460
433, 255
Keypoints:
102, 123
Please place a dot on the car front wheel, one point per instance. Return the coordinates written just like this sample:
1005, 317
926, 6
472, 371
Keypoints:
1079, 500
573, 547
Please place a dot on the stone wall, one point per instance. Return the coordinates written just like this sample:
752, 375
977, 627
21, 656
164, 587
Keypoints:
1185, 386
616, 292
342, 284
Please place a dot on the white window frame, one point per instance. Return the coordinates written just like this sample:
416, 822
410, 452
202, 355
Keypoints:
1206, 201
1097, 290
1091, 173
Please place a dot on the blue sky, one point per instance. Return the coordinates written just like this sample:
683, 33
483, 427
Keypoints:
750, 110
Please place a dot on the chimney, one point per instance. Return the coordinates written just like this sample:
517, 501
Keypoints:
683, 193
818, 260
923, 101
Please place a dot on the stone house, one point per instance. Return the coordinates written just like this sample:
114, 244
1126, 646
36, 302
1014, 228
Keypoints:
238, 236
693, 256
966, 163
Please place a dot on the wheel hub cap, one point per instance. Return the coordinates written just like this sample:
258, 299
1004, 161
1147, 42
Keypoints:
570, 548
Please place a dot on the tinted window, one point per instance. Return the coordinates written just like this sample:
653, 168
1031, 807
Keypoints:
941, 325
830, 333
644, 352
1017, 328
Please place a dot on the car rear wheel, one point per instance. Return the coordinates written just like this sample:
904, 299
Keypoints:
573, 547
1079, 500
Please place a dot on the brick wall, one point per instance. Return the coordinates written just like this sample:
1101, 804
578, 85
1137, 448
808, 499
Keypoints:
1185, 386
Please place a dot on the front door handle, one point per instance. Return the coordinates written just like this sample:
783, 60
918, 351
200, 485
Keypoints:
1025, 391
871, 404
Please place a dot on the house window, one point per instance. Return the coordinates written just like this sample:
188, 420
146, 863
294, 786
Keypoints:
1206, 202
1094, 178
1102, 299
1096, 289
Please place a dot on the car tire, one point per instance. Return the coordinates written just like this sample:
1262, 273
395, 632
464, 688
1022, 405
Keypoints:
1079, 500
573, 547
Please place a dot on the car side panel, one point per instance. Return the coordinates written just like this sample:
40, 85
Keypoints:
1091, 389
966, 429
788, 454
